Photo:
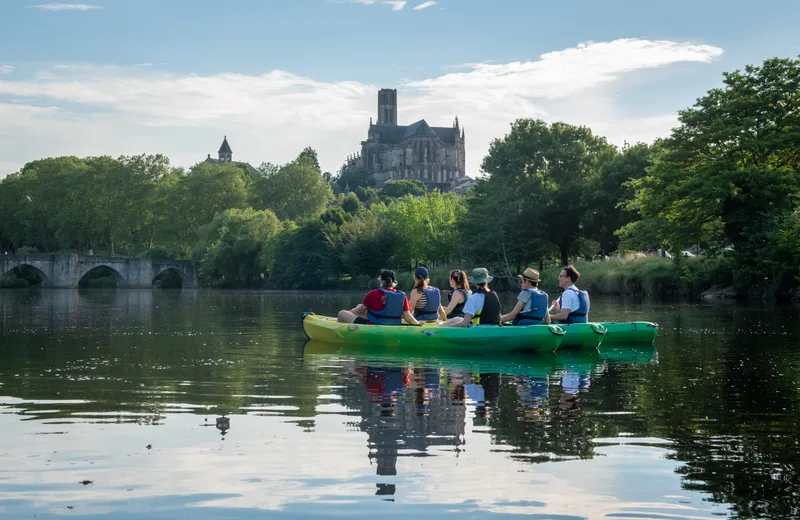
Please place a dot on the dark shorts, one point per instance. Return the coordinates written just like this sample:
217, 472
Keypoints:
360, 321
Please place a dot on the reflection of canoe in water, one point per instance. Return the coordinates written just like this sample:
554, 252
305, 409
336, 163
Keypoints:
629, 354
533, 338
528, 364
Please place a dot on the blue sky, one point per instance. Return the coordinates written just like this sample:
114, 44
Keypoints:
174, 76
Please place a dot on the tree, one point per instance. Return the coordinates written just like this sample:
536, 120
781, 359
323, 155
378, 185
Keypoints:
731, 166
311, 154
206, 190
352, 205
403, 187
609, 197
295, 191
426, 227
237, 249
352, 177
551, 170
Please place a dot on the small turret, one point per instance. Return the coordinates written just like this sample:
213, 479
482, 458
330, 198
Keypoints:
225, 152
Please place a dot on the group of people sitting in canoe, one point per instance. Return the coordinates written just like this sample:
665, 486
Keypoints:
469, 308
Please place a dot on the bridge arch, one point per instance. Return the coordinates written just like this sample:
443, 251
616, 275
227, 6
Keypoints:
186, 281
46, 282
119, 278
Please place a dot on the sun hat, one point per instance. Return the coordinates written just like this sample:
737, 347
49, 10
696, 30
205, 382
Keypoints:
532, 275
481, 275
421, 272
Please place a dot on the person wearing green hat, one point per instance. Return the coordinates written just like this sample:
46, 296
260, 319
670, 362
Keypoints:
483, 307
531, 307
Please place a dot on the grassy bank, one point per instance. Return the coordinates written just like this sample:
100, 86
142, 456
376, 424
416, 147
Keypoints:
647, 276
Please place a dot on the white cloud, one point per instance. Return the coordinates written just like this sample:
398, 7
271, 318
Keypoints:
396, 4
6, 69
88, 110
425, 5
66, 7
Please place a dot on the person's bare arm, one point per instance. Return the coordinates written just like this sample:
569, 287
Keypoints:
513, 314
410, 318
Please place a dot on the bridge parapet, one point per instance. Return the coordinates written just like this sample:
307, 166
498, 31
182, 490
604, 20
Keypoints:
66, 271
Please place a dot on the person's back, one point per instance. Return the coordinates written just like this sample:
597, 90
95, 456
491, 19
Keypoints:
385, 308
535, 309
427, 306
382, 306
491, 310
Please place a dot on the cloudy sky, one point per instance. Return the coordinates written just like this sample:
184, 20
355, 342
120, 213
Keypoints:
173, 77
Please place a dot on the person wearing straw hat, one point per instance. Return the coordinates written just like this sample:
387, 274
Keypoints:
483, 307
531, 307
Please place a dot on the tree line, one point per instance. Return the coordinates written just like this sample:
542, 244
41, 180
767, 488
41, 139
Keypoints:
725, 182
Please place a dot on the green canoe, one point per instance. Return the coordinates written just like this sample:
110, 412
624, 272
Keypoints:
582, 335
634, 332
532, 338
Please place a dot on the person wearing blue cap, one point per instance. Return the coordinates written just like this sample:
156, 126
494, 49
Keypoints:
426, 300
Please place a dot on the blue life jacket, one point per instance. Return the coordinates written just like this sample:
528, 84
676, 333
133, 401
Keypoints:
392, 312
433, 301
458, 310
536, 315
581, 314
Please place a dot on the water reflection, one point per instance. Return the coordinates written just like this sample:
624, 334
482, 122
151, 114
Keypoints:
241, 415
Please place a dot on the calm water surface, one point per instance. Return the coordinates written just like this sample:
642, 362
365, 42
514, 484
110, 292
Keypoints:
110, 401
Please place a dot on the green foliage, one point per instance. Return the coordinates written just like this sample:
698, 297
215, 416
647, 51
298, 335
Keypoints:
237, 249
366, 195
352, 178
730, 170
352, 205
642, 275
295, 191
311, 154
401, 188
426, 227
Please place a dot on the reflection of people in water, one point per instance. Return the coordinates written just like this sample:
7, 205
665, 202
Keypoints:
572, 383
533, 393
408, 408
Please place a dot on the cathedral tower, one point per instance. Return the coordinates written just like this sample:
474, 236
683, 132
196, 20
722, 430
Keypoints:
387, 106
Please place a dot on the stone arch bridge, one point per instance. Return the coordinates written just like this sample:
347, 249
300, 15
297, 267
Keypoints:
66, 271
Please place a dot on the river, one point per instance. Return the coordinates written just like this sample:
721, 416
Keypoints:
207, 404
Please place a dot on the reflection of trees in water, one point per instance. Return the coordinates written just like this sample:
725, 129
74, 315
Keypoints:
129, 354
736, 426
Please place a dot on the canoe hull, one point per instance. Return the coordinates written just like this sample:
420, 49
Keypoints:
533, 338
583, 335
630, 332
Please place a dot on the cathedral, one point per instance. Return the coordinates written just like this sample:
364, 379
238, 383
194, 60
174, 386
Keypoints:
431, 154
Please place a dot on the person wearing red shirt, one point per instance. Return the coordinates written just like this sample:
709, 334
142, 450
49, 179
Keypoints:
383, 306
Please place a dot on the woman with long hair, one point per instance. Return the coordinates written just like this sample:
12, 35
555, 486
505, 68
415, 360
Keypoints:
426, 300
459, 283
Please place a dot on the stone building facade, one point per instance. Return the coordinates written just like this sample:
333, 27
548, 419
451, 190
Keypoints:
433, 155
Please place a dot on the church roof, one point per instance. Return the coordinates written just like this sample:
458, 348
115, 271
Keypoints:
240, 164
394, 134
419, 129
225, 148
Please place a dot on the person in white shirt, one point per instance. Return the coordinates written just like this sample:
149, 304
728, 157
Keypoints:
573, 305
